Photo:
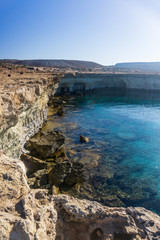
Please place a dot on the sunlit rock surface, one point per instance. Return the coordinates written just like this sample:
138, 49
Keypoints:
23, 107
40, 216
27, 214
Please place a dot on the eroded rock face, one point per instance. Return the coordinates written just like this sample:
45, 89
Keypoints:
40, 216
13, 182
82, 219
80, 82
36, 220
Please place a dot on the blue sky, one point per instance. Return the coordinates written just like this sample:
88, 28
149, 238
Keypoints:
104, 31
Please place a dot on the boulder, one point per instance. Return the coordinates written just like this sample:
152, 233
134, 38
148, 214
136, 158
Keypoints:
66, 172
84, 139
41, 216
47, 144
39, 179
32, 164
76, 174
58, 173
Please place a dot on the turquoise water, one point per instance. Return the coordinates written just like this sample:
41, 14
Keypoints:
122, 159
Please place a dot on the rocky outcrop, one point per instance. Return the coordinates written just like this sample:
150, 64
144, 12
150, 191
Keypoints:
61, 217
23, 108
33, 164
67, 173
47, 143
82, 219
84, 139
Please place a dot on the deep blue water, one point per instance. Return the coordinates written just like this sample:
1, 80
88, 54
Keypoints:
122, 159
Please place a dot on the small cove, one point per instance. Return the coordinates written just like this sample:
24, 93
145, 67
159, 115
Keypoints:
122, 159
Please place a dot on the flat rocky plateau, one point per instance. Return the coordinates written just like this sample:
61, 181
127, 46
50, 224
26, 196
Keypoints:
34, 214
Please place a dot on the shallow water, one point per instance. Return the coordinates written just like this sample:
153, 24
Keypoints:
122, 159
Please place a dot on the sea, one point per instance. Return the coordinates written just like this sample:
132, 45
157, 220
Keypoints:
122, 158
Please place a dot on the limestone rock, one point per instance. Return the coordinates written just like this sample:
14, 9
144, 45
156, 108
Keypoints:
82, 219
56, 102
40, 217
32, 164
23, 106
84, 139
13, 181
66, 172
36, 220
27, 214
33, 214
60, 155
47, 144
39, 179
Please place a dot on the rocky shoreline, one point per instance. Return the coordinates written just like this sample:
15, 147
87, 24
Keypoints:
27, 213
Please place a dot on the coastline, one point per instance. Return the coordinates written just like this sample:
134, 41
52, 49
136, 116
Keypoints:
32, 214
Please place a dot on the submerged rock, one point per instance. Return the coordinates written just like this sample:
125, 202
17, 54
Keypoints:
127, 133
60, 112
47, 144
56, 102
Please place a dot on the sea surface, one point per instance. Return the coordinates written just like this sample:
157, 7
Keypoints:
122, 159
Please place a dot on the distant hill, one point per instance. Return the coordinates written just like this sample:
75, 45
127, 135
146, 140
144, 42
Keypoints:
55, 63
152, 67
142, 67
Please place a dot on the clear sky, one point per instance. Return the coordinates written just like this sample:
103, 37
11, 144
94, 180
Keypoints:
104, 31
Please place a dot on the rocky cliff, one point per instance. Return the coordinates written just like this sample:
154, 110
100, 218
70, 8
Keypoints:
23, 107
27, 214
89, 81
